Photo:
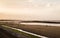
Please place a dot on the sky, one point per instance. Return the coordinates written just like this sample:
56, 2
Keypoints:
30, 9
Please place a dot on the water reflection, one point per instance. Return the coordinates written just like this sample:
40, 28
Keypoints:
41, 24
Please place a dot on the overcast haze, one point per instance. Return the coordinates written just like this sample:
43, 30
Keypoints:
30, 9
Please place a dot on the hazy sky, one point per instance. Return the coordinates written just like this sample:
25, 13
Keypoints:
30, 9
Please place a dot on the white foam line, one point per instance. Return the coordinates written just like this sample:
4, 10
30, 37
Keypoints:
26, 32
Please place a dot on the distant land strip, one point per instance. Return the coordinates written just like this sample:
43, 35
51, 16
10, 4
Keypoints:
53, 22
35, 21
